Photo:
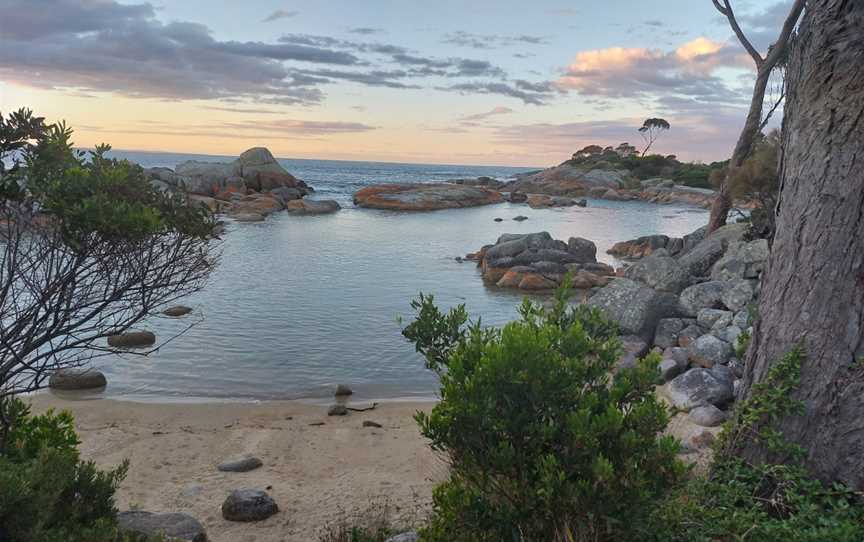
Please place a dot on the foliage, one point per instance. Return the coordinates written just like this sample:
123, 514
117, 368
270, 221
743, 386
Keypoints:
646, 167
371, 525
775, 501
88, 248
758, 180
47, 494
544, 443
651, 130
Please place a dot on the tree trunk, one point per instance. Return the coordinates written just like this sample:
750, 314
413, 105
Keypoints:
722, 202
813, 289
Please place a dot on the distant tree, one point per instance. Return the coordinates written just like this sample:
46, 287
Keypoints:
88, 248
755, 119
651, 130
625, 150
588, 151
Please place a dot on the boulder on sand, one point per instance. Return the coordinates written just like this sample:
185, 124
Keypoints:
174, 526
424, 197
699, 387
248, 505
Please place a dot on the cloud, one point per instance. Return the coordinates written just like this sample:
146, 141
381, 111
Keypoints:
292, 129
490, 41
366, 31
689, 69
518, 91
279, 14
500, 110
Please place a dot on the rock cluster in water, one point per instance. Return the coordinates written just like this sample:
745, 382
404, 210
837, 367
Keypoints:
425, 196
536, 261
248, 189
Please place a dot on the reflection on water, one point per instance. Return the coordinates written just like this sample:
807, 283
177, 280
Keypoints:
300, 304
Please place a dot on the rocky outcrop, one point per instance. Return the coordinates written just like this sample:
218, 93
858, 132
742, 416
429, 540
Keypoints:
536, 261
172, 526
256, 170
424, 197
661, 272
543, 201
569, 180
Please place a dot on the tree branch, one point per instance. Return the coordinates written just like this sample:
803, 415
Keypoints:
779, 48
729, 13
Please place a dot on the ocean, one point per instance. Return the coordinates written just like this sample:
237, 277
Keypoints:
299, 304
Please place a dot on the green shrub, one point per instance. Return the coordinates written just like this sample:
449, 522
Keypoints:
771, 502
47, 494
544, 444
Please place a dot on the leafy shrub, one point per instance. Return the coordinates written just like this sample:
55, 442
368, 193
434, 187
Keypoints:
47, 494
544, 444
770, 502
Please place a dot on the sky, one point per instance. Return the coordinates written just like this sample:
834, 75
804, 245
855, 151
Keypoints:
499, 82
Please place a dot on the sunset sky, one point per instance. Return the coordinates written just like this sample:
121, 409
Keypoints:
451, 81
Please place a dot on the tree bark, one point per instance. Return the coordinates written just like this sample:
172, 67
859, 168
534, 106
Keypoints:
813, 288
723, 202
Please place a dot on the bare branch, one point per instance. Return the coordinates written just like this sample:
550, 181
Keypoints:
778, 50
726, 9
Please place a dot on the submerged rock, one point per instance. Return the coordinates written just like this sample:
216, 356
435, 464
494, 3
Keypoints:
312, 207
179, 310
132, 339
77, 379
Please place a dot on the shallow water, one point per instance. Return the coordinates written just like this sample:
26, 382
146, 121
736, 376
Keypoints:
300, 304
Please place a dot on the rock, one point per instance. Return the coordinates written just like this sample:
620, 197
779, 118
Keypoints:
262, 204
536, 281
518, 197
666, 334
705, 439
496, 219
567, 180
248, 505
337, 410
698, 260
737, 367
741, 319
241, 465
260, 171
582, 202
77, 378
405, 537
132, 339
520, 218
208, 178
708, 318
179, 310
248, 217
669, 369
542, 201
635, 307
584, 280
174, 526
286, 194
728, 334
659, 272
707, 416
689, 334
343, 391
424, 197
638, 248
699, 387
739, 293
708, 351
742, 261
312, 207
634, 349
705, 295
584, 250
370, 423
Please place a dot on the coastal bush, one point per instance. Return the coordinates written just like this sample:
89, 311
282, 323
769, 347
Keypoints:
373, 524
88, 248
544, 442
775, 501
47, 493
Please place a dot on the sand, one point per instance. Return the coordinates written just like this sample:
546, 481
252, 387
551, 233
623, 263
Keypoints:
317, 474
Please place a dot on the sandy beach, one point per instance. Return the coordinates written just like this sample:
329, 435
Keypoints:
318, 468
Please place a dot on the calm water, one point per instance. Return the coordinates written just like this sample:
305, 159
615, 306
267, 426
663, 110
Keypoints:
300, 304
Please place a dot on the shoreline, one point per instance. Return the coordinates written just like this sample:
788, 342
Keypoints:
318, 468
